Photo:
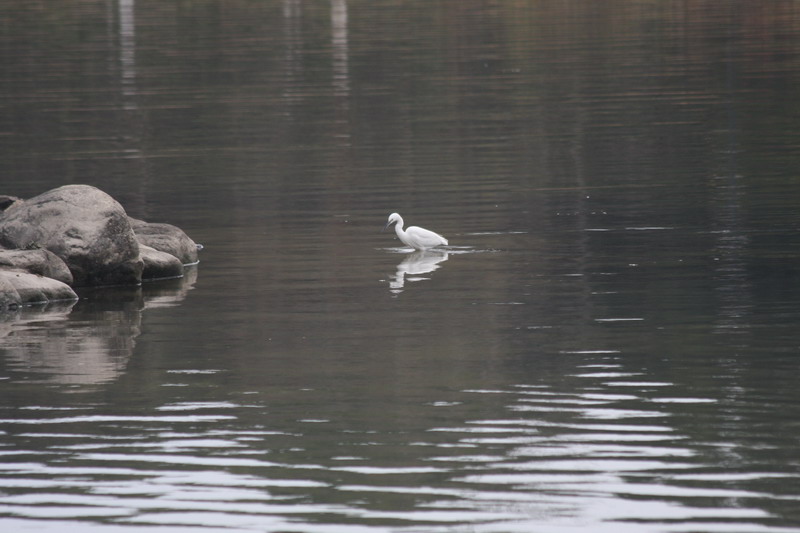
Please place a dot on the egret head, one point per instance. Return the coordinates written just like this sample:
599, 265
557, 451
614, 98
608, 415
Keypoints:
394, 217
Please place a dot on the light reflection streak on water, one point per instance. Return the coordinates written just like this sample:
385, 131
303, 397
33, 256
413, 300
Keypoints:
563, 464
609, 463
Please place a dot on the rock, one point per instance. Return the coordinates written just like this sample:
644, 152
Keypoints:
33, 289
159, 265
83, 226
79, 235
166, 238
9, 297
40, 262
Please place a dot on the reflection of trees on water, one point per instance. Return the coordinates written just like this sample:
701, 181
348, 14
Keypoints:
127, 52
341, 76
88, 342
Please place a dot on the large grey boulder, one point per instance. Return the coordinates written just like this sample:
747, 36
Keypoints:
166, 238
78, 235
82, 225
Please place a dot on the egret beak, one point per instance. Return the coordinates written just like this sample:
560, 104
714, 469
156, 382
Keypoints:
386, 226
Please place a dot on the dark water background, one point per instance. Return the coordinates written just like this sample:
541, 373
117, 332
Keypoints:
611, 343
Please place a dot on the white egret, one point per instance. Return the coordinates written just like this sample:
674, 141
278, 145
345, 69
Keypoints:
417, 238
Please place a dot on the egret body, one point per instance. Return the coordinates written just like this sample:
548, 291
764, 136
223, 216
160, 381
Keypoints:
417, 238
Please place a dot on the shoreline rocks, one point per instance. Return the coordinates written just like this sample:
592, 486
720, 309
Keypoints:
79, 236
166, 238
23, 288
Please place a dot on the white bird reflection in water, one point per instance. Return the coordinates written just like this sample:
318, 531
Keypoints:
415, 264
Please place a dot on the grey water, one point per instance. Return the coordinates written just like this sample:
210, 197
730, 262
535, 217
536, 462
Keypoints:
611, 342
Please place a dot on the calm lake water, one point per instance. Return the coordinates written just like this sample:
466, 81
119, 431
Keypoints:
611, 342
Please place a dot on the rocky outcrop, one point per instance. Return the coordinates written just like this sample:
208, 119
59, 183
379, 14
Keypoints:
83, 226
77, 235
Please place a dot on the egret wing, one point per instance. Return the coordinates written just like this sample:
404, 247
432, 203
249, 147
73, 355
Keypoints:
422, 238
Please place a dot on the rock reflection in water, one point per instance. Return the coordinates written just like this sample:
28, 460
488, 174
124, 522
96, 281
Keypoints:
415, 264
88, 342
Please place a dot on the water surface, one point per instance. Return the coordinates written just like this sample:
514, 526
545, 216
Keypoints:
610, 343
